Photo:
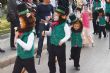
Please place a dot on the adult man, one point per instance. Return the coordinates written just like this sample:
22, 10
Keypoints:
13, 19
43, 11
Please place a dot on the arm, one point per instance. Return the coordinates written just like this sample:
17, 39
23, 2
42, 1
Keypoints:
27, 46
67, 33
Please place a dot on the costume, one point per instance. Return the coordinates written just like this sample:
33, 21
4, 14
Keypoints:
24, 39
60, 33
76, 40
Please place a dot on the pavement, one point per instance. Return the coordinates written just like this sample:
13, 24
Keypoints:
93, 59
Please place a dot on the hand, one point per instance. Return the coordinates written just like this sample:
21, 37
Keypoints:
43, 33
60, 43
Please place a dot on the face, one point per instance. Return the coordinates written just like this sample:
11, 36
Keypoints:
100, 14
76, 26
47, 1
22, 22
85, 8
56, 16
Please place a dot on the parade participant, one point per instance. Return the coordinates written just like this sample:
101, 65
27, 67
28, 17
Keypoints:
102, 23
76, 40
24, 39
60, 33
96, 6
86, 17
107, 12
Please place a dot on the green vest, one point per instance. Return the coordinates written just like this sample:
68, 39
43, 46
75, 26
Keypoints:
21, 52
95, 4
57, 34
107, 8
76, 39
102, 21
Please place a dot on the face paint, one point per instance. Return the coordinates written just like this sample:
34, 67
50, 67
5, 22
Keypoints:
56, 18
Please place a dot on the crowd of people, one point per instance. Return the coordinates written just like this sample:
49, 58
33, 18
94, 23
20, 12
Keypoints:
52, 18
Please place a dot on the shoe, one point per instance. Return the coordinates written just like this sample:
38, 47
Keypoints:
38, 56
2, 51
77, 68
13, 48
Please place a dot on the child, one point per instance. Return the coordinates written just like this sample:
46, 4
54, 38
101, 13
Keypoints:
86, 16
60, 33
96, 6
24, 39
76, 40
102, 23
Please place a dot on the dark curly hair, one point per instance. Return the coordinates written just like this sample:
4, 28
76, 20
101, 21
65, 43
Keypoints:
81, 26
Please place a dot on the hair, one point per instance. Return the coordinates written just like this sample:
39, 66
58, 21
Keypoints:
29, 23
78, 22
61, 20
103, 14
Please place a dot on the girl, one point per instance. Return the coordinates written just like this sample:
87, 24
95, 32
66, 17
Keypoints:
76, 40
60, 33
25, 41
86, 16
102, 23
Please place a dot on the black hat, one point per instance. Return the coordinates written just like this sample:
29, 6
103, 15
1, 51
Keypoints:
22, 9
101, 10
72, 18
61, 10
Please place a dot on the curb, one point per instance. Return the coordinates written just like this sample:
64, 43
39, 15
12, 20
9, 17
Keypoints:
11, 59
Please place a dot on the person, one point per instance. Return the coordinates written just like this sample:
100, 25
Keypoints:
76, 40
96, 6
59, 34
107, 12
24, 40
102, 23
2, 51
0, 11
86, 17
44, 12
13, 19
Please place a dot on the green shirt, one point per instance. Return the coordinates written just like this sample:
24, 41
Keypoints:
23, 54
57, 34
102, 21
107, 8
76, 39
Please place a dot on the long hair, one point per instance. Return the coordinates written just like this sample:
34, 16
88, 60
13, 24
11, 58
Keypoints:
29, 23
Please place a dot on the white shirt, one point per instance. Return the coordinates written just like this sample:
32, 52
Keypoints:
27, 46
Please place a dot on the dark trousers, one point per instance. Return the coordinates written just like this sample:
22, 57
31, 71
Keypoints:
14, 23
102, 29
95, 25
75, 55
41, 39
28, 64
59, 52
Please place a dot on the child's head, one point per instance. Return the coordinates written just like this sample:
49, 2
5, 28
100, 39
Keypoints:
27, 22
85, 7
75, 23
101, 12
77, 26
60, 14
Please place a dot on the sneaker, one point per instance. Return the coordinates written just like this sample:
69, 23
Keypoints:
2, 51
77, 68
